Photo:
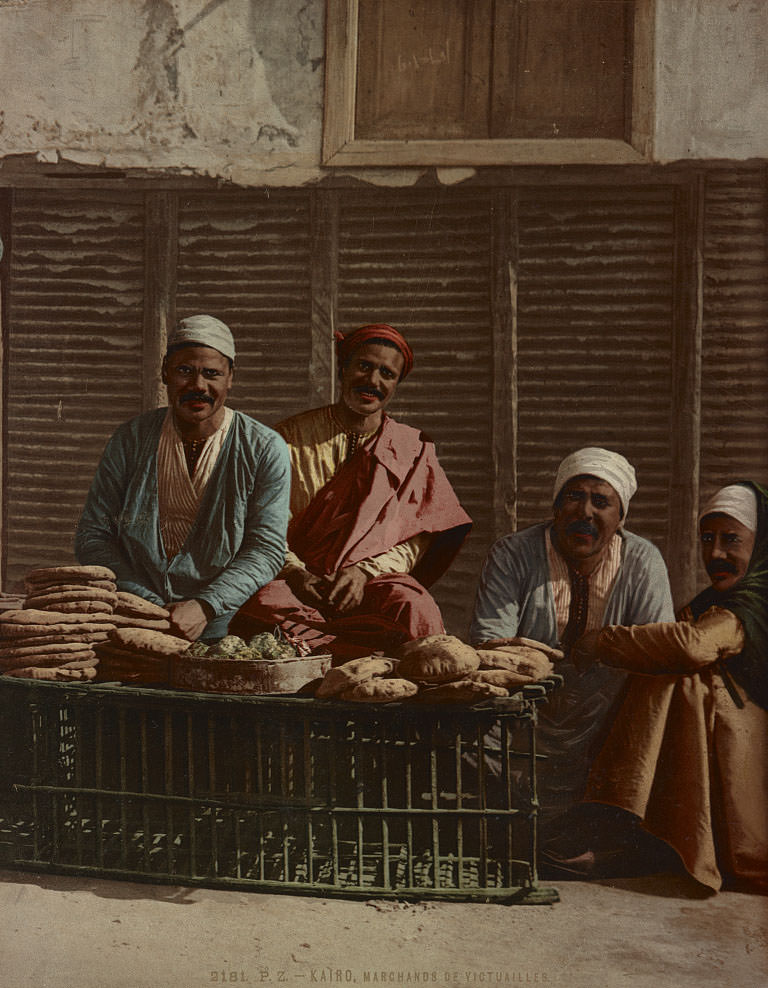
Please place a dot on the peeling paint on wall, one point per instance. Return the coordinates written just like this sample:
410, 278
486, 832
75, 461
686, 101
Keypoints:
234, 88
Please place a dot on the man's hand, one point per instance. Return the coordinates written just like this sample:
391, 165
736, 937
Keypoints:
310, 589
347, 588
188, 619
583, 653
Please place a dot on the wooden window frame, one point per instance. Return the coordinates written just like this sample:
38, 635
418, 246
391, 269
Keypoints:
342, 149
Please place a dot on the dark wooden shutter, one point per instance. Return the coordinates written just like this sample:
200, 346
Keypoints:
595, 295
73, 358
420, 261
246, 259
734, 395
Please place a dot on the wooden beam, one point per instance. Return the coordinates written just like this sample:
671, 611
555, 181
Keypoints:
325, 238
504, 330
5, 267
161, 236
685, 439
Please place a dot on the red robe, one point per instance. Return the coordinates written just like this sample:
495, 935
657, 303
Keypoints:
392, 489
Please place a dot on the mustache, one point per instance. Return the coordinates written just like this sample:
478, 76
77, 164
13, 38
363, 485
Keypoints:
196, 396
370, 391
720, 566
582, 528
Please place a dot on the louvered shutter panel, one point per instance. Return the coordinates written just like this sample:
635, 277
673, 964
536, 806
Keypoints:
73, 358
420, 261
595, 341
246, 260
735, 365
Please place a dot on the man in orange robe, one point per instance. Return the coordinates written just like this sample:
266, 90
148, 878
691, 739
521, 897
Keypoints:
688, 752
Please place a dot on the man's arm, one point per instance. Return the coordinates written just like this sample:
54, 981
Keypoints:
680, 647
96, 539
497, 603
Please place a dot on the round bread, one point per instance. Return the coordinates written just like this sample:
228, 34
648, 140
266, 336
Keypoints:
461, 691
436, 659
506, 678
134, 606
46, 659
553, 654
78, 607
26, 641
86, 663
52, 598
127, 621
57, 673
517, 658
11, 650
379, 690
54, 632
56, 586
352, 673
32, 615
149, 642
52, 595
70, 574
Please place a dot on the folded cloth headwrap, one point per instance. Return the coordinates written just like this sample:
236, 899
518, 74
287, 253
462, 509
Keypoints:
376, 331
205, 331
748, 599
737, 501
595, 461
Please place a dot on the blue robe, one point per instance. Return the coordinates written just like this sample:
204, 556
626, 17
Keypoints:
514, 598
237, 542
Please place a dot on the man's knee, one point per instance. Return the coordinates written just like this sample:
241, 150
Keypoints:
405, 602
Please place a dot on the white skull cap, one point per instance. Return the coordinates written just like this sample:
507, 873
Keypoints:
737, 501
205, 331
604, 464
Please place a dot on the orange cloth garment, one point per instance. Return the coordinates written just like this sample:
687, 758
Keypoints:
682, 755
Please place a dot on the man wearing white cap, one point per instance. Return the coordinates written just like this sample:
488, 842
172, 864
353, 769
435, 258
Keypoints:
688, 752
555, 581
189, 504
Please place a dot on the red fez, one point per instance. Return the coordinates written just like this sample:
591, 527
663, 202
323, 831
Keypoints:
377, 331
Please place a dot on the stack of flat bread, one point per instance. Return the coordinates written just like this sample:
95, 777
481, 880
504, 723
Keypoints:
67, 610
138, 656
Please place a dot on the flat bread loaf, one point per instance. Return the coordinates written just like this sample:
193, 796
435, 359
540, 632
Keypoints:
522, 659
436, 659
149, 642
32, 615
506, 678
133, 605
461, 691
353, 673
379, 690
71, 574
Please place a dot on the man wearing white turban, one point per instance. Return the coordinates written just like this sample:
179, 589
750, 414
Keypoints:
555, 581
688, 753
189, 504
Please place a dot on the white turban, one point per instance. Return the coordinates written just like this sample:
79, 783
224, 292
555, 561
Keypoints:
205, 331
604, 464
736, 501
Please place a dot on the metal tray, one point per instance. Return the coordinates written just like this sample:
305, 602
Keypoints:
222, 674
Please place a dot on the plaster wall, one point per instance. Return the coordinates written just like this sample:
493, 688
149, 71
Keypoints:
712, 79
234, 88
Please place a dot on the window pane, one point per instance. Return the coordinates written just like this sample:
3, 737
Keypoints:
562, 68
422, 69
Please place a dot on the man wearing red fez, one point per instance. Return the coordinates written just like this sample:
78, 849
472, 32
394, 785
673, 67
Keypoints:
374, 519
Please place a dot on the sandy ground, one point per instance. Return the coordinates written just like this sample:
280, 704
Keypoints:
63, 932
